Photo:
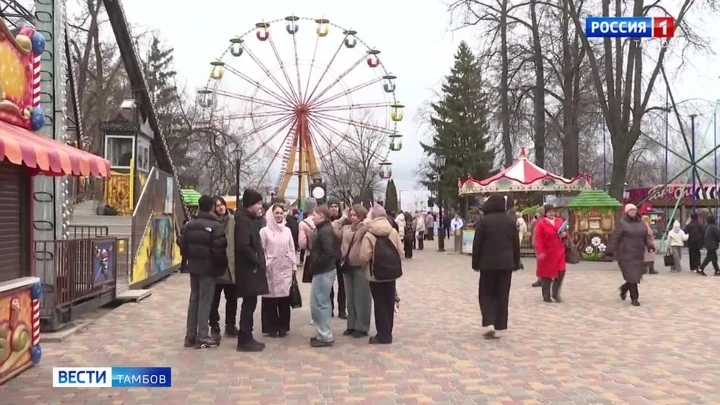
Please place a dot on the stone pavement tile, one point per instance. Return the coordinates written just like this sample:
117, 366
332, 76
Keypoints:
591, 349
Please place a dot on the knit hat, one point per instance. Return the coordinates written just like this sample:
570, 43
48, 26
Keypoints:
251, 197
333, 200
630, 207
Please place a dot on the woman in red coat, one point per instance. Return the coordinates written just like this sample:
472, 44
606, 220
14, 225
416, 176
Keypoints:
550, 252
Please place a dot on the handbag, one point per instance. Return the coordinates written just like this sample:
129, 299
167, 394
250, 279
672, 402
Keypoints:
669, 259
295, 297
571, 254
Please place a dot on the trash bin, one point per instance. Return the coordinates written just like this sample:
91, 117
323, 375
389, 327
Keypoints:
457, 237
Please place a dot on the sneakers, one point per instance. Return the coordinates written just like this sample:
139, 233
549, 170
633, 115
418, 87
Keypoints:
315, 342
208, 343
251, 346
489, 332
215, 332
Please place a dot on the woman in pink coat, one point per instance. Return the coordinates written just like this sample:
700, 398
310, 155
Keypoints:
281, 262
550, 252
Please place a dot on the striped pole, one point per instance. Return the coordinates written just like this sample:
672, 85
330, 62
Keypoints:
36, 79
35, 351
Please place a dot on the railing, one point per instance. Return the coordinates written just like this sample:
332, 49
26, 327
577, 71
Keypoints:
87, 231
81, 269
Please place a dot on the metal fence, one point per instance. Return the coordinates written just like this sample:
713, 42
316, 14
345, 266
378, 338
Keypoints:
87, 231
84, 272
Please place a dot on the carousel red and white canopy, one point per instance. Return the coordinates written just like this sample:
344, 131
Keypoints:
523, 176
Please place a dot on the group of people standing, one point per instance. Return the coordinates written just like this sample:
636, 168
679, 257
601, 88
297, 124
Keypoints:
250, 254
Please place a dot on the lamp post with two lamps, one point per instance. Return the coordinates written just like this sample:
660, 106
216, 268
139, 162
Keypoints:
440, 167
237, 155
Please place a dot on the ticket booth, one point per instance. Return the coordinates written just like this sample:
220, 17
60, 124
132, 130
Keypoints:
127, 147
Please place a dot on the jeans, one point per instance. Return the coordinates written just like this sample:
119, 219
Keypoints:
359, 300
383, 295
202, 290
320, 305
230, 306
247, 314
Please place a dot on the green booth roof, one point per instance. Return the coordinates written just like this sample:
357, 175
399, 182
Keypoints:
190, 196
593, 198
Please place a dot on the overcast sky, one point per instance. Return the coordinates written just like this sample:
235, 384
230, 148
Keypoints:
414, 39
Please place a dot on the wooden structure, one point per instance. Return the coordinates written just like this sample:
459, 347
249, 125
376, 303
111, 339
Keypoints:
592, 218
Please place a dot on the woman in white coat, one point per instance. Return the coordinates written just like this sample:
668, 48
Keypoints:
281, 262
676, 240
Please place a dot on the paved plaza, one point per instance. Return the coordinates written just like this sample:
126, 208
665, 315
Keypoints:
591, 349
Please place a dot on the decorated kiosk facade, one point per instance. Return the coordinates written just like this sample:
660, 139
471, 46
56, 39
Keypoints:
522, 181
592, 219
27, 159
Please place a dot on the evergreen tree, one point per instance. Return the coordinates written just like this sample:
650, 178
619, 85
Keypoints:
461, 132
391, 197
160, 79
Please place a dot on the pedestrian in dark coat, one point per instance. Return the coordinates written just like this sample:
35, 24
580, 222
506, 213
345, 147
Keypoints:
292, 223
203, 244
696, 234
250, 279
495, 254
628, 243
711, 240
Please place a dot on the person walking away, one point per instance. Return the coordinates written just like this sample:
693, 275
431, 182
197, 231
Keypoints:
324, 269
305, 237
378, 249
696, 237
496, 254
430, 224
550, 252
203, 244
446, 225
649, 259
538, 214
676, 240
628, 243
334, 207
357, 287
408, 236
711, 241
225, 284
250, 278
420, 229
281, 264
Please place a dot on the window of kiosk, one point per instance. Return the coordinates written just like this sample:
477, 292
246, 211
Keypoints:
143, 159
119, 151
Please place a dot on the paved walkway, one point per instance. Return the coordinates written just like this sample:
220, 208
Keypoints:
592, 349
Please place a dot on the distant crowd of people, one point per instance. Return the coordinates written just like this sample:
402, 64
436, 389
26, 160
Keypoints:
253, 253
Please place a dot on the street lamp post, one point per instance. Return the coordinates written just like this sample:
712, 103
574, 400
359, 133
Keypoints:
237, 157
440, 163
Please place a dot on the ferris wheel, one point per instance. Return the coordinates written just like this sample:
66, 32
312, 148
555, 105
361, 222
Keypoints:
299, 89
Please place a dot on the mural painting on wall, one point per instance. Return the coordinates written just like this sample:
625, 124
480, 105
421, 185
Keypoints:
15, 332
156, 251
103, 263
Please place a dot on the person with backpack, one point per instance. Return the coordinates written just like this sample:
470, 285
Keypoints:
378, 249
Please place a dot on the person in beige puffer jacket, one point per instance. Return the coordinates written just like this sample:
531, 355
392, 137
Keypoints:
383, 292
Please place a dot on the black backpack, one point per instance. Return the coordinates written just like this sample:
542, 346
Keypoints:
385, 264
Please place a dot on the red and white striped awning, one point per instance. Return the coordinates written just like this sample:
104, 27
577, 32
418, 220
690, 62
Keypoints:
523, 176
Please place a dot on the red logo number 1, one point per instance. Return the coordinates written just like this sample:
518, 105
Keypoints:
663, 27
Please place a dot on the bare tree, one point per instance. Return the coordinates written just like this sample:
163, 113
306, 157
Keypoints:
352, 169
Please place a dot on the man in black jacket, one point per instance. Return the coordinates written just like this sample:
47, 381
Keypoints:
696, 235
495, 254
250, 278
335, 214
711, 240
203, 245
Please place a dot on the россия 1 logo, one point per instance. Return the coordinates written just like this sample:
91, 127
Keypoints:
630, 27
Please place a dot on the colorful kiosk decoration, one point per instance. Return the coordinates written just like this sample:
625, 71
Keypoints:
592, 218
24, 154
518, 180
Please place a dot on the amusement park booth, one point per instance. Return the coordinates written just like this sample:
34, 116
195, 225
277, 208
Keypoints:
26, 157
592, 219
663, 198
525, 182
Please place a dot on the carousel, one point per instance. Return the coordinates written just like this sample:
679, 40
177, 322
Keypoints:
526, 183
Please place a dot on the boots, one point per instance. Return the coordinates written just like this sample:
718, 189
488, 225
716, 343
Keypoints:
557, 283
545, 284
537, 283
634, 294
